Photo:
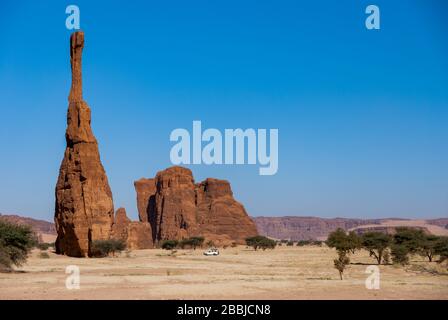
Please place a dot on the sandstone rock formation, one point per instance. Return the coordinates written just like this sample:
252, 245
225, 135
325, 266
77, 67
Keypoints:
178, 208
84, 207
136, 235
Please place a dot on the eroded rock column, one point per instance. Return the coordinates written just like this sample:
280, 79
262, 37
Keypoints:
84, 209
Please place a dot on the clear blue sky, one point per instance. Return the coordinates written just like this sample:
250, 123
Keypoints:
362, 115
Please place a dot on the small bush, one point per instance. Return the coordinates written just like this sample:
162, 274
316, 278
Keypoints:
290, 243
103, 248
45, 246
192, 242
169, 244
44, 255
234, 245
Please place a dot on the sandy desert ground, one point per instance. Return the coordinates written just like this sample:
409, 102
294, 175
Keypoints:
238, 273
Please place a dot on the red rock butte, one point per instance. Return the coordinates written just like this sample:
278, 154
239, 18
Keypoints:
178, 208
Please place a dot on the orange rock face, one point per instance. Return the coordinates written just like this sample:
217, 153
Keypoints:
84, 209
136, 235
178, 208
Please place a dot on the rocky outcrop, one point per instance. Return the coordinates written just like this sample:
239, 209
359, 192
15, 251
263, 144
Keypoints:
136, 235
146, 188
178, 208
219, 214
84, 208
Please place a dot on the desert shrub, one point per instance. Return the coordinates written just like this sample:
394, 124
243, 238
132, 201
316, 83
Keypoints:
376, 243
261, 242
302, 243
317, 243
192, 242
341, 262
44, 246
103, 248
169, 244
400, 254
44, 255
290, 243
16, 241
197, 242
234, 245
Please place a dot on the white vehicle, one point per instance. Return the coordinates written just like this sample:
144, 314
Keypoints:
211, 252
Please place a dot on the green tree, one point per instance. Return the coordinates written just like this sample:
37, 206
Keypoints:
16, 241
260, 242
376, 243
344, 242
411, 238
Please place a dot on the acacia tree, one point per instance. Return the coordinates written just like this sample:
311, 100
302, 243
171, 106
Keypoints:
341, 262
343, 242
428, 246
376, 243
260, 242
411, 238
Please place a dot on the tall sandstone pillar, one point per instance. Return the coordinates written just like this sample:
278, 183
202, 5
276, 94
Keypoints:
84, 209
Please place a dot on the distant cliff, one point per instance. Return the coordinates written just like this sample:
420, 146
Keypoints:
305, 228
